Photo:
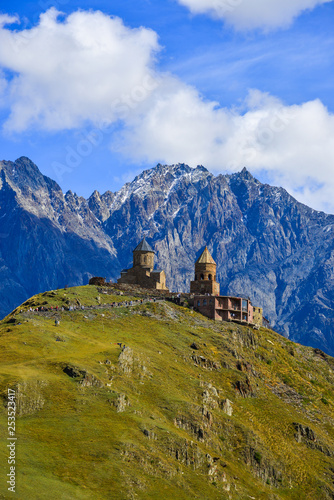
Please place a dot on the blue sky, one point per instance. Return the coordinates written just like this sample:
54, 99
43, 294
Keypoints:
93, 99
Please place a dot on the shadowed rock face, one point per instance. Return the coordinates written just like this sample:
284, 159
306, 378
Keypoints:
267, 246
47, 240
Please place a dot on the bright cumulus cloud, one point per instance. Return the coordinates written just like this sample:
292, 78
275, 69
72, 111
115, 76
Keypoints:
89, 68
293, 144
250, 14
72, 70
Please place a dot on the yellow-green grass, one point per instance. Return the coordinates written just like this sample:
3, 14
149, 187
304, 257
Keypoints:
75, 296
77, 445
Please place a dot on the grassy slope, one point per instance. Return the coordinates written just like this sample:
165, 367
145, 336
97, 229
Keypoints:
81, 442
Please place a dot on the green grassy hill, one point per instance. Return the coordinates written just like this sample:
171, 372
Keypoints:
188, 409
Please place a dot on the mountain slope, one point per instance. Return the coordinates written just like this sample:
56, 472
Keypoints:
267, 245
189, 409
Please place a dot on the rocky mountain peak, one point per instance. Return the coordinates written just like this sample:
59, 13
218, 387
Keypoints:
100, 204
23, 174
96, 195
246, 175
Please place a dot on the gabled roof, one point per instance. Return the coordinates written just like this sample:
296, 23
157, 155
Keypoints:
205, 258
143, 247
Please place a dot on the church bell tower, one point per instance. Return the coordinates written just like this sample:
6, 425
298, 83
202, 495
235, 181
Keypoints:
143, 256
205, 275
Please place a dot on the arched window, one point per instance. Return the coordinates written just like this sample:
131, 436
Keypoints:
210, 277
145, 259
195, 277
204, 302
202, 276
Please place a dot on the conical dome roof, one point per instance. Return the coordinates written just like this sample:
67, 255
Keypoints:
205, 258
143, 247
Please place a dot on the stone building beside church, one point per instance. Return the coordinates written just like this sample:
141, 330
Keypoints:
142, 272
209, 302
223, 308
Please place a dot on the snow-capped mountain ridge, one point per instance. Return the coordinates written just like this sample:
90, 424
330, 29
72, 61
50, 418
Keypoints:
266, 244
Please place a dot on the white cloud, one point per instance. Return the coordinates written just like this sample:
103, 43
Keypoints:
250, 14
6, 19
89, 68
293, 144
76, 70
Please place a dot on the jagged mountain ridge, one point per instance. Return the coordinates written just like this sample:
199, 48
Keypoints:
266, 244
47, 238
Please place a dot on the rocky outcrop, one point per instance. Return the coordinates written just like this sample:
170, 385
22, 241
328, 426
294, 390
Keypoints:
126, 360
244, 388
190, 425
84, 378
29, 397
130, 363
121, 403
188, 453
306, 435
227, 407
206, 363
262, 468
